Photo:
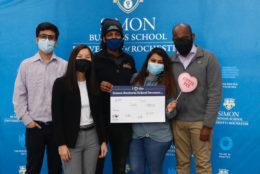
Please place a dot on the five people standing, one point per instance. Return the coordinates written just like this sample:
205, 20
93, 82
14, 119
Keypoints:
72, 117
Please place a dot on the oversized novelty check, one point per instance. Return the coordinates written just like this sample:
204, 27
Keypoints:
137, 104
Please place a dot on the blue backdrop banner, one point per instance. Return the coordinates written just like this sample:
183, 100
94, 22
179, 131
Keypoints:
228, 28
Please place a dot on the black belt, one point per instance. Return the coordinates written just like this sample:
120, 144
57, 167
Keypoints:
87, 127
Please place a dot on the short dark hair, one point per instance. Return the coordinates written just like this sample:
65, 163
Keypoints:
71, 76
183, 24
47, 26
166, 78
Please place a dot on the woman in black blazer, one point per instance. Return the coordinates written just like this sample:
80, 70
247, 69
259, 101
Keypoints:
76, 113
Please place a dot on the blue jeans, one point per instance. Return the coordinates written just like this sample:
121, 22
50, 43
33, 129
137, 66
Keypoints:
147, 150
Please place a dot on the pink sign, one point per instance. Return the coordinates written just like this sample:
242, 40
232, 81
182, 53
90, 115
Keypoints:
187, 83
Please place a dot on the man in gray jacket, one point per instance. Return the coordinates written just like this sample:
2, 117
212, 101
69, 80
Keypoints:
196, 111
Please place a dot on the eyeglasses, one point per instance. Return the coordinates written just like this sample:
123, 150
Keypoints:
46, 36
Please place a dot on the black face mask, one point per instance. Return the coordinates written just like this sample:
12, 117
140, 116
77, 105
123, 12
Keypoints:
82, 65
183, 46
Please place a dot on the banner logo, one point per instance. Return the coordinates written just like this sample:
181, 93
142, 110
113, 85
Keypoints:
222, 171
226, 143
229, 103
127, 6
22, 170
127, 168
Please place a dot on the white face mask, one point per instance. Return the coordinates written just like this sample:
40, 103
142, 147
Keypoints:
46, 46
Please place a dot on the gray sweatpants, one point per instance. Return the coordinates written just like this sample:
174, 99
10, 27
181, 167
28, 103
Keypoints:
85, 154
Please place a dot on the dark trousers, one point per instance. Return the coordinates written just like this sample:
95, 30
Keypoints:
119, 141
36, 141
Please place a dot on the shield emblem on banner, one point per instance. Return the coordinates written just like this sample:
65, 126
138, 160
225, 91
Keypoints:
229, 103
22, 169
127, 5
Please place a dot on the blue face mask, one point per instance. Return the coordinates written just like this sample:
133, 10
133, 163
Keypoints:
114, 44
46, 46
155, 68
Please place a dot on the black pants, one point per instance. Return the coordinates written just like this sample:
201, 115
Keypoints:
36, 141
119, 141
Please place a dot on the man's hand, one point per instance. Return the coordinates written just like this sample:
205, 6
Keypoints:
205, 133
172, 106
103, 150
106, 86
64, 153
33, 124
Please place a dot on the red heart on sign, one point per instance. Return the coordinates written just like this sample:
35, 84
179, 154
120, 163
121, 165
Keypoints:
187, 83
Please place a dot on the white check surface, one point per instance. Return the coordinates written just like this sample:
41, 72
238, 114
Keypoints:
137, 109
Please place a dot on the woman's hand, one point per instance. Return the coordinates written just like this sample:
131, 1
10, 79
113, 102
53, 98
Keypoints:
64, 153
103, 150
106, 86
172, 106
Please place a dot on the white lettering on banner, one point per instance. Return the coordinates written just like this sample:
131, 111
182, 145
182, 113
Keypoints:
94, 48
136, 24
223, 171
12, 119
149, 37
148, 48
230, 85
21, 151
136, 42
229, 114
228, 117
171, 151
94, 37
224, 155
